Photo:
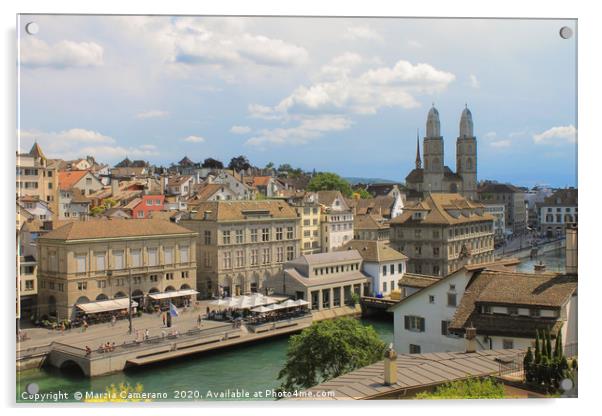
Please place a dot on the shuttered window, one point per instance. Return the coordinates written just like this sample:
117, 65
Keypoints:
414, 323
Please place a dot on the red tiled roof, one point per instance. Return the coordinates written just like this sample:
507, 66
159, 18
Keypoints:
67, 179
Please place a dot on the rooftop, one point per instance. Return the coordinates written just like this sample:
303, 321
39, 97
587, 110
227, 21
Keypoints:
241, 210
374, 251
115, 228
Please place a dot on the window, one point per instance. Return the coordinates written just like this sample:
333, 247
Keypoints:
289, 233
100, 261
185, 274
384, 270
431, 298
118, 259
101, 284
279, 233
29, 285
445, 328
226, 237
512, 310
436, 251
168, 276
239, 237
135, 257
265, 234
207, 237
535, 313
279, 254
254, 235
240, 258
184, 254
80, 262
508, 344
154, 278
290, 253
168, 254
266, 256
436, 270
82, 285
392, 269
384, 287
451, 299
400, 268
152, 256
227, 260
414, 349
414, 323
254, 256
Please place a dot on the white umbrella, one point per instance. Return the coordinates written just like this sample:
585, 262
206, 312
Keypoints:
288, 304
260, 309
219, 302
301, 302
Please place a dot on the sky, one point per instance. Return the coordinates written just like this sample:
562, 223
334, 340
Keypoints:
347, 95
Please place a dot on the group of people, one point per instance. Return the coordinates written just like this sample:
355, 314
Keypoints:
106, 347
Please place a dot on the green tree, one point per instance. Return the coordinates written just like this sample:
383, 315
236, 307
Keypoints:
362, 193
537, 348
269, 165
328, 349
97, 210
327, 181
528, 364
239, 163
472, 388
548, 344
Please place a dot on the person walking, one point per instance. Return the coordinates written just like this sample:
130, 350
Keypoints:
164, 319
146, 334
199, 320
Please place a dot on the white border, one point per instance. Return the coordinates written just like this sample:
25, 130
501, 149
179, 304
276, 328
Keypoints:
589, 86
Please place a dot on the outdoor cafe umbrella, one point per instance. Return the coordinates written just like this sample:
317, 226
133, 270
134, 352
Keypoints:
288, 304
301, 302
261, 309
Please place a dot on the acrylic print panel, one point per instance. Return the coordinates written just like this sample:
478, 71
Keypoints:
263, 208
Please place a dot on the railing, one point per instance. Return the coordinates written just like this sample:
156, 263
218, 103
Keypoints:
511, 365
32, 352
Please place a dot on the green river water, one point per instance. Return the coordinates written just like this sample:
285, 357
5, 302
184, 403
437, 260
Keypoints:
251, 367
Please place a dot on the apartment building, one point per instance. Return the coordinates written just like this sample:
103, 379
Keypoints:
241, 244
558, 211
513, 199
442, 233
37, 177
97, 260
336, 220
309, 212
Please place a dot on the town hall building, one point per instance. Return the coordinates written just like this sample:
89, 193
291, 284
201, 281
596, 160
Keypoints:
435, 177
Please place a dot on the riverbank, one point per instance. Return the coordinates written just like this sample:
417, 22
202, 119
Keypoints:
252, 367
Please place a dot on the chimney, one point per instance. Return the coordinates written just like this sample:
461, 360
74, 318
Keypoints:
571, 249
114, 186
390, 366
471, 339
163, 180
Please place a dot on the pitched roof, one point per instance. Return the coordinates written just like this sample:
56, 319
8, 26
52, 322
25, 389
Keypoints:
78, 198
261, 180
508, 288
417, 280
206, 191
36, 151
440, 209
369, 222
562, 197
242, 210
115, 228
380, 205
326, 258
178, 180
380, 189
352, 276
498, 188
374, 251
415, 176
68, 179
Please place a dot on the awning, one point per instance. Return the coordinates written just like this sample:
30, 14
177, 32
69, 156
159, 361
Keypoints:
106, 305
172, 294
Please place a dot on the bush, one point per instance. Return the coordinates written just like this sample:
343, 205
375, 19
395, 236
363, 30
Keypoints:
473, 388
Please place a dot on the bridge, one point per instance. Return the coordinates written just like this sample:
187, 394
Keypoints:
154, 349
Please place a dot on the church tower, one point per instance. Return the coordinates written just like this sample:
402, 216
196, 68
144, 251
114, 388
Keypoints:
466, 155
433, 153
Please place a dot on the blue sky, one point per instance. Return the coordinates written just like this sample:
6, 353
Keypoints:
343, 95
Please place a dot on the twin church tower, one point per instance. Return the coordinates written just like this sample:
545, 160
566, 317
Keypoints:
435, 176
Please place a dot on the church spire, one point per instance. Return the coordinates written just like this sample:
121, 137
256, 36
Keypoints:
418, 161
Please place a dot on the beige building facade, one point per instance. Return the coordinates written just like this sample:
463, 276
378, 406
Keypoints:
241, 244
37, 176
87, 261
325, 280
442, 233
309, 212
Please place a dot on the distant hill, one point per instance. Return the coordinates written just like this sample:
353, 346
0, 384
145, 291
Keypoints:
355, 180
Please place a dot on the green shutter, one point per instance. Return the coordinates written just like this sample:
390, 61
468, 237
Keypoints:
421, 324
406, 322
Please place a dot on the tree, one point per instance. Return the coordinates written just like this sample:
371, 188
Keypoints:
472, 388
211, 163
327, 181
537, 348
528, 364
362, 193
239, 163
270, 165
328, 349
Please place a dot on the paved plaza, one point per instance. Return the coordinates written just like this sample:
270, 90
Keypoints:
101, 333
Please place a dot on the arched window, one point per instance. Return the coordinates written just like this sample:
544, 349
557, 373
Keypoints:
102, 296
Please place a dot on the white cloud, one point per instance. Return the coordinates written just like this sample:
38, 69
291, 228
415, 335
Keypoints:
561, 133
308, 129
152, 114
491, 135
77, 142
194, 139
240, 129
362, 32
364, 94
196, 43
37, 53
501, 143
474, 82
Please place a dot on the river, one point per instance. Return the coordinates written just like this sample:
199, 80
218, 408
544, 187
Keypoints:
251, 367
